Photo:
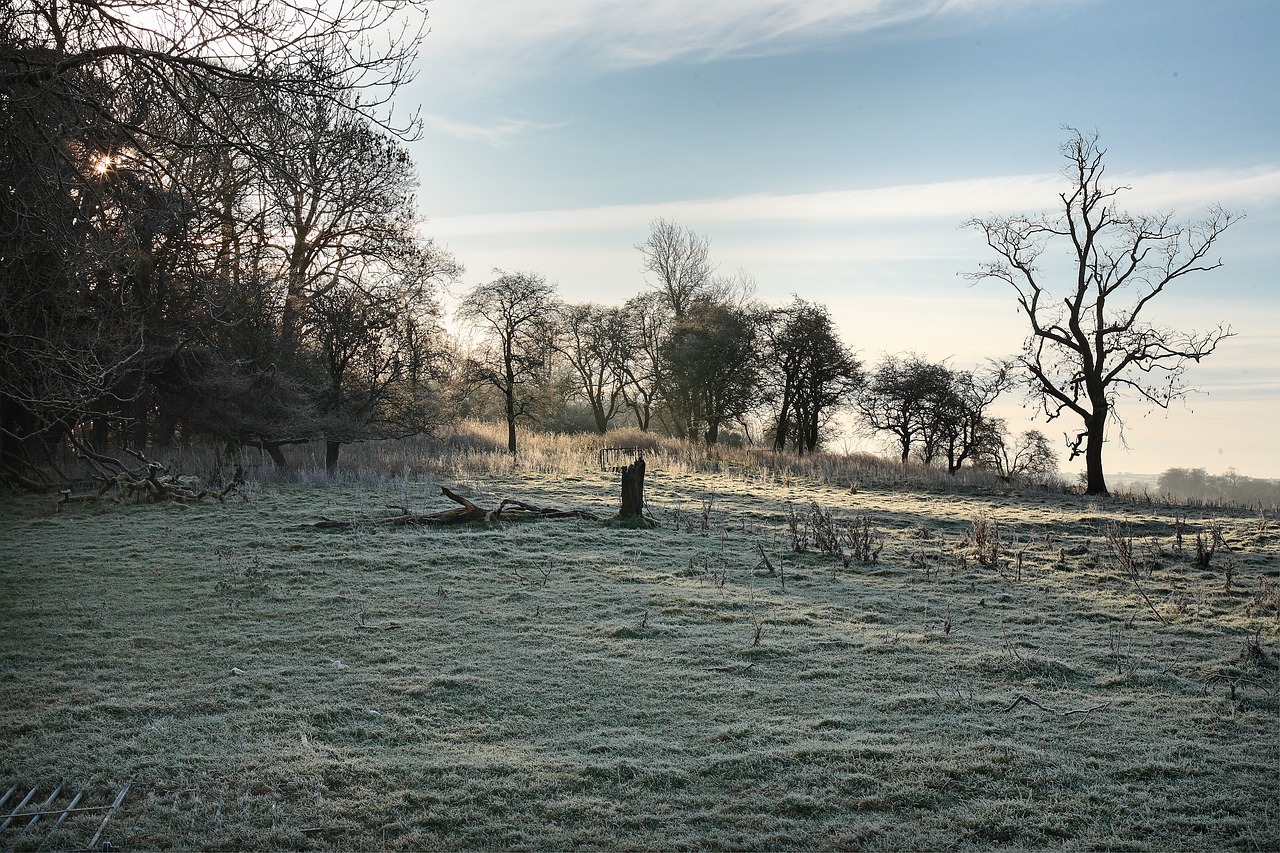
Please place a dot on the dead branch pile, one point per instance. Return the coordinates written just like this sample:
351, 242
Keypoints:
147, 482
466, 513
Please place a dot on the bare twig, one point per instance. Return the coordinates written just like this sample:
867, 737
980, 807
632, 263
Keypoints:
764, 560
1024, 698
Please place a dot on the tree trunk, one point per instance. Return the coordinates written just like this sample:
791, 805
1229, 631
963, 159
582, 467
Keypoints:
1095, 479
166, 429
331, 450
509, 394
632, 490
511, 424
138, 431
276, 454
780, 432
100, 433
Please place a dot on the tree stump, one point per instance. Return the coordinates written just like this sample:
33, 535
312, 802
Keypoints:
632, 490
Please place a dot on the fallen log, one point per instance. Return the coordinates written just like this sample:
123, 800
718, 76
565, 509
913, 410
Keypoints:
465, 513
149, 482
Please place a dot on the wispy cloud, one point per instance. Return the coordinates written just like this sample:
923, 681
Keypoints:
499, 134
497, 37
1184, 192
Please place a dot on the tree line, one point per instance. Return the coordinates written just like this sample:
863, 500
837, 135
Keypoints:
1197, 484
696, 356
208, 230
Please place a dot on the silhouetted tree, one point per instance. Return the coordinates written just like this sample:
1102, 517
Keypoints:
710, 367
180, 54
679, 260
126, 134
958, 415
70, 327
380, 350
593, 340
647, 324
807, 372
1090, 341
342, 200
1028, 455
515, 315
902, 399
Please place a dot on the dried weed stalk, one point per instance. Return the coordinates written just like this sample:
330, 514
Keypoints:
1266, 599
1122, 551
1179, 531
1207, 546
798, 529
854, 541
984, 536
863, 541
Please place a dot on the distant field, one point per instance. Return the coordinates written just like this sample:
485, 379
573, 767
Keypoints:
561, 684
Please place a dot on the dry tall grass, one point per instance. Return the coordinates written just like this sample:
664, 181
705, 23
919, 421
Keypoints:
475, 449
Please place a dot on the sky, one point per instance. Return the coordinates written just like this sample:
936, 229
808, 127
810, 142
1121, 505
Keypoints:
833, 149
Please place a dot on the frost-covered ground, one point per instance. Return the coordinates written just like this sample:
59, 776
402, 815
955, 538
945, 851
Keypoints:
561, 684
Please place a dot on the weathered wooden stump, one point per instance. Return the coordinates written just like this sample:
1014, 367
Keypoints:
632, 490
628, 461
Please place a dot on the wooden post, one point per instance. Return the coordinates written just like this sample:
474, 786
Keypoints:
632, 490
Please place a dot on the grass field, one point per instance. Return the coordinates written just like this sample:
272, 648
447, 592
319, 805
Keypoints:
563, 684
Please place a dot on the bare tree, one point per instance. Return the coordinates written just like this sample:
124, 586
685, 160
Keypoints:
960, 414
379, 353
342, 201
123, 120
593, 340
1027, 455
680, 261
185, 51
1090, 342
648, 322
808, 372
901, 399
516, 315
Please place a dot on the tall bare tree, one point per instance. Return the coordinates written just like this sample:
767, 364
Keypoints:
902, 400
515, 314
593, 339
343, 200
1090, 340
648, 322
679, 259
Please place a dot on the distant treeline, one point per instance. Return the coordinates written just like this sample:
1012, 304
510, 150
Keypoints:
1230, 487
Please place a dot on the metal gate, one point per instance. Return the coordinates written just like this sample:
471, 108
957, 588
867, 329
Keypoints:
37, 814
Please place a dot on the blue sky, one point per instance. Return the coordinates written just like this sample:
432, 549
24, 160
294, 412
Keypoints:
831, 148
